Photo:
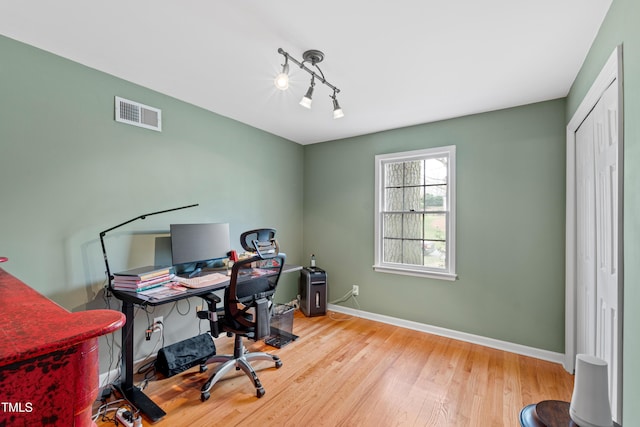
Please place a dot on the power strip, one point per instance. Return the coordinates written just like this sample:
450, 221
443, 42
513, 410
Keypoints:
124, 417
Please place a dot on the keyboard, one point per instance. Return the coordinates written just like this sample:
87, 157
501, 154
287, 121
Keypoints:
202, 281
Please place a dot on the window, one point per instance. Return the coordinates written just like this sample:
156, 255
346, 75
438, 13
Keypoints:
415, 213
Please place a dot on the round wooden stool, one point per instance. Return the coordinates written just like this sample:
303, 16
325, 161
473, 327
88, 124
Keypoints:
548, 413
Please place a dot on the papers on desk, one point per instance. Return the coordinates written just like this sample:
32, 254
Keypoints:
165, 291
202, 281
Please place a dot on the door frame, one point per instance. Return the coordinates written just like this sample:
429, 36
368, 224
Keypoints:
612, 71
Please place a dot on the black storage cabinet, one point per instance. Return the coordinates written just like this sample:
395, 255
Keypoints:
312, 288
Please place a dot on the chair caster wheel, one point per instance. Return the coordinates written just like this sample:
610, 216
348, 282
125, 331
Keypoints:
278, 364
203, 368
204, 396
260, 392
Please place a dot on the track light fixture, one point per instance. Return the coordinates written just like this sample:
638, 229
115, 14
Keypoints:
313, 57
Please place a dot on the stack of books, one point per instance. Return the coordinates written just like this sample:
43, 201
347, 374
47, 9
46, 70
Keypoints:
142, 279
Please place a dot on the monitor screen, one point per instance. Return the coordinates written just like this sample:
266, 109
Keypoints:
199, 243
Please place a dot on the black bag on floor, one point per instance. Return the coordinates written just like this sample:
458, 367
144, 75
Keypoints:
183, 355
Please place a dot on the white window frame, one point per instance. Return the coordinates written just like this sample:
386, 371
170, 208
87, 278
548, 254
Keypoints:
447, 273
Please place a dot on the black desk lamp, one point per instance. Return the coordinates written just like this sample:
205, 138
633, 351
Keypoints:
103, 233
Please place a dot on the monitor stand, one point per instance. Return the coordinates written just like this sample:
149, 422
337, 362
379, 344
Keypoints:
197, 270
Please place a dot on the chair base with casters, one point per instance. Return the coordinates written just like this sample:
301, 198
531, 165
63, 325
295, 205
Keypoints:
240, 361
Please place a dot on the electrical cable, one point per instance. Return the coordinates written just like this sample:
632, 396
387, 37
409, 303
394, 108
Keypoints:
147, 365
346, 297
343, 298
188, 307
109, 339
104, 409
137, 307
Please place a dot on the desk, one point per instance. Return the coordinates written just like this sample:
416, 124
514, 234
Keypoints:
48, 357
129, 299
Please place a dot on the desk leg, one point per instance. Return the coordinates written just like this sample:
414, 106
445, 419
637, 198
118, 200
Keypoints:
131, 392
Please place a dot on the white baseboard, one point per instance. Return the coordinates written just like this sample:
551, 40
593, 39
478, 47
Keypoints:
524, 350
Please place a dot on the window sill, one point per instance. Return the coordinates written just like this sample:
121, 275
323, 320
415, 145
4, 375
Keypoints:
417, 273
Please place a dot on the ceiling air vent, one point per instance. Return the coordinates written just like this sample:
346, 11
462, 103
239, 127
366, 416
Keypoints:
137, 114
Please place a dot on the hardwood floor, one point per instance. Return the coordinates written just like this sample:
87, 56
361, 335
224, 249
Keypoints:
359, 372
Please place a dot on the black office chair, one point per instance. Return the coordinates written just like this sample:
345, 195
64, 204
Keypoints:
247, 308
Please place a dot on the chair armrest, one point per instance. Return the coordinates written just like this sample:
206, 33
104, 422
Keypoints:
262, 319
211, 312
212, 298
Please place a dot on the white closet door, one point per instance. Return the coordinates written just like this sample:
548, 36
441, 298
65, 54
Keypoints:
597, 237
607, 211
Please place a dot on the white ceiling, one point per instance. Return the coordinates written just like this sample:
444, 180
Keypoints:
396, 63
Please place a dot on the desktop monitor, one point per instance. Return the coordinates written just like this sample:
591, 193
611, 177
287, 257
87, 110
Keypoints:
194, 246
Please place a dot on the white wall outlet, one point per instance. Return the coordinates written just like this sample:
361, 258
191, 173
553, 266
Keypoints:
158, 325
355, 291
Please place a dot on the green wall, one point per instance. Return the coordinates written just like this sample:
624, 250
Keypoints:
510, 225
68, 170
621, 28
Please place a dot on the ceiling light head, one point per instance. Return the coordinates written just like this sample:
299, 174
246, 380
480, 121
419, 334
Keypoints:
282, 80
337, 111
306, 99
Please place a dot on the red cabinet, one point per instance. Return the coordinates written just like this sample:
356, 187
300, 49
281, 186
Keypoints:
48, 357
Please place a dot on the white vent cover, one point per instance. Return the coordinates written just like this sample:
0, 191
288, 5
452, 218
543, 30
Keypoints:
137, 114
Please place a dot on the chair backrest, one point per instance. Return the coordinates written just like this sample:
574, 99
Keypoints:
248, 238
248, 289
